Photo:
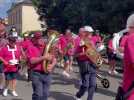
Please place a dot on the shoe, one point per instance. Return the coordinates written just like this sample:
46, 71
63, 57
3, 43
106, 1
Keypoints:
71, 69
1, 91
110, 72
66, 74
14, 93
5, 92
76, 98
115, 72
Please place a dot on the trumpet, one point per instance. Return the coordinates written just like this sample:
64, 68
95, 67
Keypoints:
52, 37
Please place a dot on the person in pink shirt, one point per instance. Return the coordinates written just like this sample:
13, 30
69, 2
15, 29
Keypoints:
3, 43
97, 38
26, 42
68, 48
128, 75
11, 56
123, 42
86, 67
111, 57
41, 79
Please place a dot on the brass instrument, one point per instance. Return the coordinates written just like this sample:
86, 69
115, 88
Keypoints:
93, 55
52, 36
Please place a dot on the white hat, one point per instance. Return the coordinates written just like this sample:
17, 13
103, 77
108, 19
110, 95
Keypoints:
88, 29
130, 21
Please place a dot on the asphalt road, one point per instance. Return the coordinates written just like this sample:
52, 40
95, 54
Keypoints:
63, 88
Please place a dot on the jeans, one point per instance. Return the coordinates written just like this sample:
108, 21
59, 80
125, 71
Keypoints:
40, 84
88, 77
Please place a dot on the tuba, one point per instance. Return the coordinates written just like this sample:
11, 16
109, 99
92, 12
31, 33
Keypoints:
93, 54
116, 42
52, 38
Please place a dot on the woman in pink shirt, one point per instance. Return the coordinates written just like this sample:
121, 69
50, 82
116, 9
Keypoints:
11, 56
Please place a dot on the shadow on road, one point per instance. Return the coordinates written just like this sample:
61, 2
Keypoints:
61, 96
16, 99
62, 80
105, 92
13, 99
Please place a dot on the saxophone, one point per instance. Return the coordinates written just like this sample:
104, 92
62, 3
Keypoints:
52, 37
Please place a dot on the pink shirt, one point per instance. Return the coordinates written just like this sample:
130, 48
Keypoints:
123, 41
80, 49
128, 75
110, 46
3, 42
65, 43
7, 56
77, 42
33, 51
62, 43
26, 43
96, 39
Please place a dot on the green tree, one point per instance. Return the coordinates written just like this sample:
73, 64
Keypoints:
106, 15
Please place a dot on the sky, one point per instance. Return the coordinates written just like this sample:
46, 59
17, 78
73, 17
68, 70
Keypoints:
5, 5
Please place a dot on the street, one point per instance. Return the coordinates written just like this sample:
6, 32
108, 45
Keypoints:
63, 88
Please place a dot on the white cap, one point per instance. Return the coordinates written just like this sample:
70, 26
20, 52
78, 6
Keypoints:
130, 21
88, 29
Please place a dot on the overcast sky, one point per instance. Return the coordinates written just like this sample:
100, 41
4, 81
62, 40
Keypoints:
5, 5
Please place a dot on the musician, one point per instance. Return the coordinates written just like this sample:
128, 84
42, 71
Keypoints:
24, 45
97, 38
11, 54
66, 43
87, 68
3, 43
123, 42
41, 79
111, 57
128, 76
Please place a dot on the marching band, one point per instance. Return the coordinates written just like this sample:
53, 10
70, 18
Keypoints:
41, 57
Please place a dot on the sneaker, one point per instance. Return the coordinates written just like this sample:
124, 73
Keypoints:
71, 69
5, 92
76, 98
110, 72
14, 93
115, 72
66, 74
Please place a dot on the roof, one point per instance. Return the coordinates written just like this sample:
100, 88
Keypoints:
22, 2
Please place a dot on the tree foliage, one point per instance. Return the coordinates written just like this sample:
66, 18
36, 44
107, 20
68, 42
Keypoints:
106, 15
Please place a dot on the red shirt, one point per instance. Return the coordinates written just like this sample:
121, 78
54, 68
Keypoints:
128, 75
34, 51
96, 39
110, 46
123, 41
81, 49
7, 56
26, 43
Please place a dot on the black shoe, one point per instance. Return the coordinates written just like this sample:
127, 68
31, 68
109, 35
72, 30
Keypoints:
1, 91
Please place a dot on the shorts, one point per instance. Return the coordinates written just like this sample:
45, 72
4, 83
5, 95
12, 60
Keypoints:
67, 58
1, 68
111, 56
10, 75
